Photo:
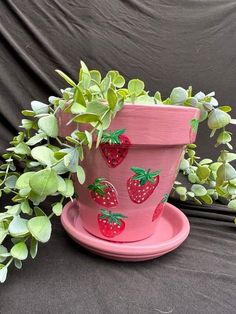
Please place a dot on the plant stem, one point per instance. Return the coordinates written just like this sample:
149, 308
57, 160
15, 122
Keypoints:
9, 262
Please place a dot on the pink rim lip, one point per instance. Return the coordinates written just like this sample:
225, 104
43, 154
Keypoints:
132, 249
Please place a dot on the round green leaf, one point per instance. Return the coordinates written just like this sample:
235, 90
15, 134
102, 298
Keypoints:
57, 209
178, 95
227, 157
184, 164
49, 125
223, 138
22, 149
232, 204
44, 155
96, 107
39, 107
18, 263
3, 250
19, 251
226, 172
77, 108
218, 119
61, 184
86, 118
231, 189
3, 273
89, 138
111, 98
96, 76
203, 172
225, 108
18, 227
198, 190
33, 247
25, 207
69, 188
40, 227
181, 190
119, 81
205, 161
36, 139
11, 181
135, 87
193, 178
80, 174
44, 182
206, 199
27, 124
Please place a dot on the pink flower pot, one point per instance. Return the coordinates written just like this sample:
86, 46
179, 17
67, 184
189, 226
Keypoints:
131, 204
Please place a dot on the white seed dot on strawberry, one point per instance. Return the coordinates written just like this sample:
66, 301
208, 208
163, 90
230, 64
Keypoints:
118, 227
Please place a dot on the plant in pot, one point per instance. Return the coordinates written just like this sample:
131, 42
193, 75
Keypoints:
116, 148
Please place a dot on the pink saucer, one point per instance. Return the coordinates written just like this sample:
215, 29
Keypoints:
171, 230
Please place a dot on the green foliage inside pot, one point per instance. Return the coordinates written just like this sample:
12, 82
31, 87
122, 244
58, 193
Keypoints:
48, 162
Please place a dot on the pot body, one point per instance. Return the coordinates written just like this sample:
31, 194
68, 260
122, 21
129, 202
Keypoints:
158, 135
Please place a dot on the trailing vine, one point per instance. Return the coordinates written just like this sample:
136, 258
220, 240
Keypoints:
48, 162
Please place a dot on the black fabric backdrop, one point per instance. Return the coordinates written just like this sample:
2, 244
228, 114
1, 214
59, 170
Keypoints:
166, 43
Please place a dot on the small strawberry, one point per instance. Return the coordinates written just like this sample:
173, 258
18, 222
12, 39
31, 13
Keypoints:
142, 184
110, 224
160, 207
103, 192
114, 147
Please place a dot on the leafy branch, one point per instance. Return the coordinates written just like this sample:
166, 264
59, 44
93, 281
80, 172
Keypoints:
50, 163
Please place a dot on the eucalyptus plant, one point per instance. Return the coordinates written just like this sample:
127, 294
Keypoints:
48, 161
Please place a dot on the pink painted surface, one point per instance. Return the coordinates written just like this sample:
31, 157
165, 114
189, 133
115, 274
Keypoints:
158, 134
171, 230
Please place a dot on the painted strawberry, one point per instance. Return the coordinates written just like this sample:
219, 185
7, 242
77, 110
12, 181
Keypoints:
160, 207
104, 193
114, 147
142, 184
111, 224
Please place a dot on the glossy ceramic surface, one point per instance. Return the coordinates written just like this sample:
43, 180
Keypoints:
170, 231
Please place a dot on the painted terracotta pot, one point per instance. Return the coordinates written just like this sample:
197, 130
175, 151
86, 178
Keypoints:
127, 184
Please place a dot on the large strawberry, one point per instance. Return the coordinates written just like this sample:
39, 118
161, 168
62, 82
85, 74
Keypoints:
160, 207
114, 147
110, 224
103, 192
142, 184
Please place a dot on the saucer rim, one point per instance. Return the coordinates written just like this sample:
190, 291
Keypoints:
126, 249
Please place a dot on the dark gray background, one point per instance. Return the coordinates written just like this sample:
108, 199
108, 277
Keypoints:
166, 43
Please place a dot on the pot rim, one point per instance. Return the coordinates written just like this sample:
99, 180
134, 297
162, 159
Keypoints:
160, 106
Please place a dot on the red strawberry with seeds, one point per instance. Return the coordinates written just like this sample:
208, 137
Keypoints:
114, 147
110, 224
142, 184
160, 207
104, 193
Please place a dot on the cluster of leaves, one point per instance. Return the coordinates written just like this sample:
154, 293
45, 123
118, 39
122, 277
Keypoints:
210, 180
49, 162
